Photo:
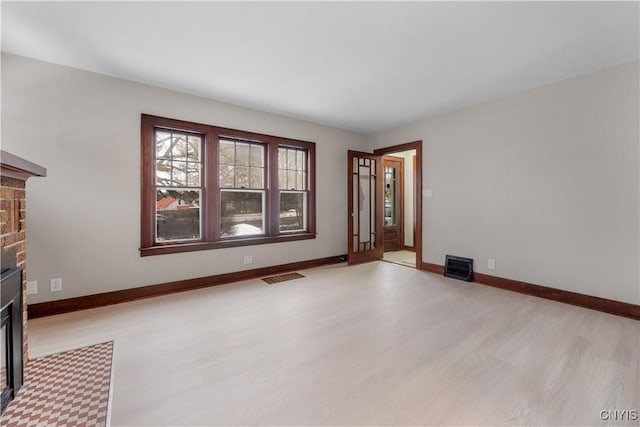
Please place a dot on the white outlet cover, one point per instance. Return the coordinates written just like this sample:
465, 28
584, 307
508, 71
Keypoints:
491, 264
248, 259
32, 287
55, 285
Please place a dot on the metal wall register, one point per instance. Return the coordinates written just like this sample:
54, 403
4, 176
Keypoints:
11, 369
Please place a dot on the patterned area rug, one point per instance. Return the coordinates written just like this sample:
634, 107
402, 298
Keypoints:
62, 389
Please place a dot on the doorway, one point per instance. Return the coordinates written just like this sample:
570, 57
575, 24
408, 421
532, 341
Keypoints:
399, 238
385, 222
394, 218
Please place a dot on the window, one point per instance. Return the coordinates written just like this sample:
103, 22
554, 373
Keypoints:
242, 189
207, 187
178, 186
292, 178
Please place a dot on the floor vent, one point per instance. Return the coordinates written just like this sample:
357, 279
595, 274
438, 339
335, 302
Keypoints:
282, 278
459, 268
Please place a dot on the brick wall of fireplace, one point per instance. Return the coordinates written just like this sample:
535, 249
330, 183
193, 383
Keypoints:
13, 210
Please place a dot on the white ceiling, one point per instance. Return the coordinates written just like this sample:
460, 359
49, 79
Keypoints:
359, 66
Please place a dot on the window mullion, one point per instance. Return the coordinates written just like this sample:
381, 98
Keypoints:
311, 187
273, 208
211, 212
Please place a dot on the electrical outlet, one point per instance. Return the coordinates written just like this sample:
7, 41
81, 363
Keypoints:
491, 264
248, 259
32, 287
55, 285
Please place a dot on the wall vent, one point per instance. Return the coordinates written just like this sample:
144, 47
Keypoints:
459, 268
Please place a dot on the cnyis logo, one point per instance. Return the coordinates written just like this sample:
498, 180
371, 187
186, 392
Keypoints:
619, 415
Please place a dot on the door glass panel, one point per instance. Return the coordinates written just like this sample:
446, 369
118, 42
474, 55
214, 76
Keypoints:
356, 209
390, 205
365, 206
372, 210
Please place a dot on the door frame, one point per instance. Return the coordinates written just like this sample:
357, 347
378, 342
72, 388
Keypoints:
417, 192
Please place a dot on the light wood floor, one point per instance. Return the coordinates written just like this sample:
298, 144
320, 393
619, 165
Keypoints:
370, 344
403, 257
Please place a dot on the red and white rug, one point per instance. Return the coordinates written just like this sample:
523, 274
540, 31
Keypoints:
63, 389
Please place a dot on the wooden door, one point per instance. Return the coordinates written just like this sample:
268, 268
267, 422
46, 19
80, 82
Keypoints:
393, 168
364, 207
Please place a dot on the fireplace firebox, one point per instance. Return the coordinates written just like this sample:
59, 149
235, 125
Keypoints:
11, 361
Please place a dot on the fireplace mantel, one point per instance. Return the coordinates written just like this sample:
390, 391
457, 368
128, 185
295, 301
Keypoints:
16, 167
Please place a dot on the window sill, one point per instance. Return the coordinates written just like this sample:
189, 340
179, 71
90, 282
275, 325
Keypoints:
172, 248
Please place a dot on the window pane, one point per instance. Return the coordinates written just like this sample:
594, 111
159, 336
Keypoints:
177, 215
193, 174
179, 174
282, 178
242, 213
301, 160
282, 158
179, 146
163, 172
257, 175
226, 176
291, 160
292, 211
291, 180
257, 155
163, 145
193, 146
242, 177
227, 152
300, 180
242, 154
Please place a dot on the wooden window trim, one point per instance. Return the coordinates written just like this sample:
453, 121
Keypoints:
210, 191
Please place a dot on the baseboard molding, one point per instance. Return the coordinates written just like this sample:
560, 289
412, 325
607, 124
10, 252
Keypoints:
433, 268
115, 297
618, 308
409, 248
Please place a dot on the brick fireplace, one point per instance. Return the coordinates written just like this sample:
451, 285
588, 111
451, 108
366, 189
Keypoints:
14, 172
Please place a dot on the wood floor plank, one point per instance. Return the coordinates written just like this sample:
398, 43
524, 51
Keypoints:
369, 344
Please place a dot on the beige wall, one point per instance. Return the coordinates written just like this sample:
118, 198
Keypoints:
545, 182
83, 218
